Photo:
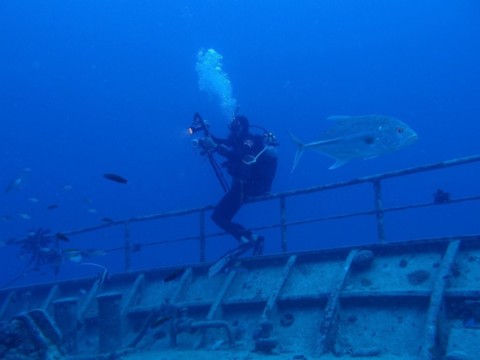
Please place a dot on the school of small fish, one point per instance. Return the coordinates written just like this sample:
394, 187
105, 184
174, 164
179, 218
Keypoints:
39, 246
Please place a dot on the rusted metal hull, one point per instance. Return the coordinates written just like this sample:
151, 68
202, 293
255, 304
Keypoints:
411, 300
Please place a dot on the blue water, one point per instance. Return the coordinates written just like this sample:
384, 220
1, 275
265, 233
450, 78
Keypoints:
89, 87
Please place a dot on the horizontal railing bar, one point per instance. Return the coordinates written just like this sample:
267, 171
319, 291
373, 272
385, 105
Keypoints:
372, 212
122, 222
307, 221
171, 241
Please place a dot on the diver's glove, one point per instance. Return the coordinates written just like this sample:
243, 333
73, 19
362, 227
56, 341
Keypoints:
207, 144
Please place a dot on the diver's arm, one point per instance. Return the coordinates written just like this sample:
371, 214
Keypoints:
220, 141
235, 153
224, 148
226, 152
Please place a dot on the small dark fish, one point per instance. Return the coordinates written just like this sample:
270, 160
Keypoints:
61, 236
51, 207
115, 178
160, 320
136, 247
441, 197
173, 275
107, 220
6, 217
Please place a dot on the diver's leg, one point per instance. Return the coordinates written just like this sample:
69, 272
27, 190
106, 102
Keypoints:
226, 209
251, 190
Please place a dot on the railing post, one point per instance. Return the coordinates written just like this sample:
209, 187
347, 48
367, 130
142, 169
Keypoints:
283, 223
202, 239
128, 253
377, 188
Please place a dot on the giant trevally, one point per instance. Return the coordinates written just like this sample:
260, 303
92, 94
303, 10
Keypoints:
365, 137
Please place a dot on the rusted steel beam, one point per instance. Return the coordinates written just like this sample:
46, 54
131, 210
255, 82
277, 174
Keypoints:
137, 285
154, 311
6, 302
272, 299
436, 301
214, 308
83, 307
327, 336
221, 295
51, 295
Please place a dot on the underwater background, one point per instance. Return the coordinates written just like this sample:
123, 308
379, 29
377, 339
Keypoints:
94, 87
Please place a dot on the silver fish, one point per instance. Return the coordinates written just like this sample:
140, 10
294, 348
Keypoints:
16, 183
24, 216
364, 137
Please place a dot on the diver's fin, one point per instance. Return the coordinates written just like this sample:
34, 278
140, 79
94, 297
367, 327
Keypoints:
219, 265
300, 150
338, 163
228, 258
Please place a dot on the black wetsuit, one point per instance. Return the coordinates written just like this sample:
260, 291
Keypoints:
252, 165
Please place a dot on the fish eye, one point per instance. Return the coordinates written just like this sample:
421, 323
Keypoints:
400, 130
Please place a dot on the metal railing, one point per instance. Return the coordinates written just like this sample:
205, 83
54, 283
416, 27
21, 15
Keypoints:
378, 212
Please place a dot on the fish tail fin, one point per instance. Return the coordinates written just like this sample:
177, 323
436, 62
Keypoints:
300, 150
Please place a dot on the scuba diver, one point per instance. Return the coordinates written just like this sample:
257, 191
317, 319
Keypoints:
251, 161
